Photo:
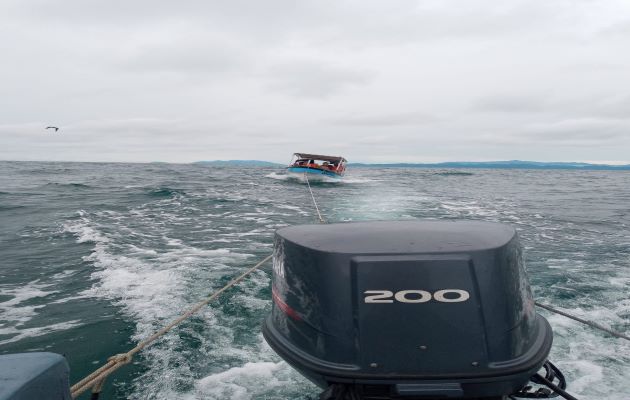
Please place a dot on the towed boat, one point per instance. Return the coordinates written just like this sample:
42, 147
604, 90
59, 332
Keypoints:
318, 167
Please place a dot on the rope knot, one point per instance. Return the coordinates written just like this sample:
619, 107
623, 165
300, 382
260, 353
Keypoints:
122, 358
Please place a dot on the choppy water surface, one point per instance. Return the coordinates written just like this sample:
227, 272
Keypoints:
95, 257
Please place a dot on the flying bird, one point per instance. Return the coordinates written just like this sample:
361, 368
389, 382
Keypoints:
52, 127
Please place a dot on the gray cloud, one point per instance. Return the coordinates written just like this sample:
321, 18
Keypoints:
314, 80
188, 56
583, 131
399, 80
396, 119
512, 103
607, 106
564, 135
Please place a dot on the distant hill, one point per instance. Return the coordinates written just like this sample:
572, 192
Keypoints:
239, 163
512, 164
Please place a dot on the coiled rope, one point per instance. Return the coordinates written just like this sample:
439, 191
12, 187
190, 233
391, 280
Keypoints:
319, 215
96, 379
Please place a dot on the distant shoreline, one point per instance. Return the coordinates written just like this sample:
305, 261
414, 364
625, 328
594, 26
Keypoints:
498, 165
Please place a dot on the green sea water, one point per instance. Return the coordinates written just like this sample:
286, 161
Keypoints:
95, 257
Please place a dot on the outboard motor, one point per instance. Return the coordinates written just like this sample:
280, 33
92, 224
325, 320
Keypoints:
406, 309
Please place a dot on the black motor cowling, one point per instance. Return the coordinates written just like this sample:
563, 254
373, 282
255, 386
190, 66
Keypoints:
430, 309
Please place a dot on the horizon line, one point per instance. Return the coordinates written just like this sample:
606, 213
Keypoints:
591, 163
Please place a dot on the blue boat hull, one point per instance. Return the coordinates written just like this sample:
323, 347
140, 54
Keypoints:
313, 173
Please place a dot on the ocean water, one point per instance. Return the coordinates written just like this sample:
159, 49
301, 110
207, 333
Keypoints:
94, 257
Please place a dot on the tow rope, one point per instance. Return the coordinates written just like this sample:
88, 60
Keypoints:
319, 215
584, 321
97, 378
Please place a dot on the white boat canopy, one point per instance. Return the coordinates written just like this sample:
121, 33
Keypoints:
320, 157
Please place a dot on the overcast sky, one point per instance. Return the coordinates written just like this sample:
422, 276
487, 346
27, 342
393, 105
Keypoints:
375, 81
